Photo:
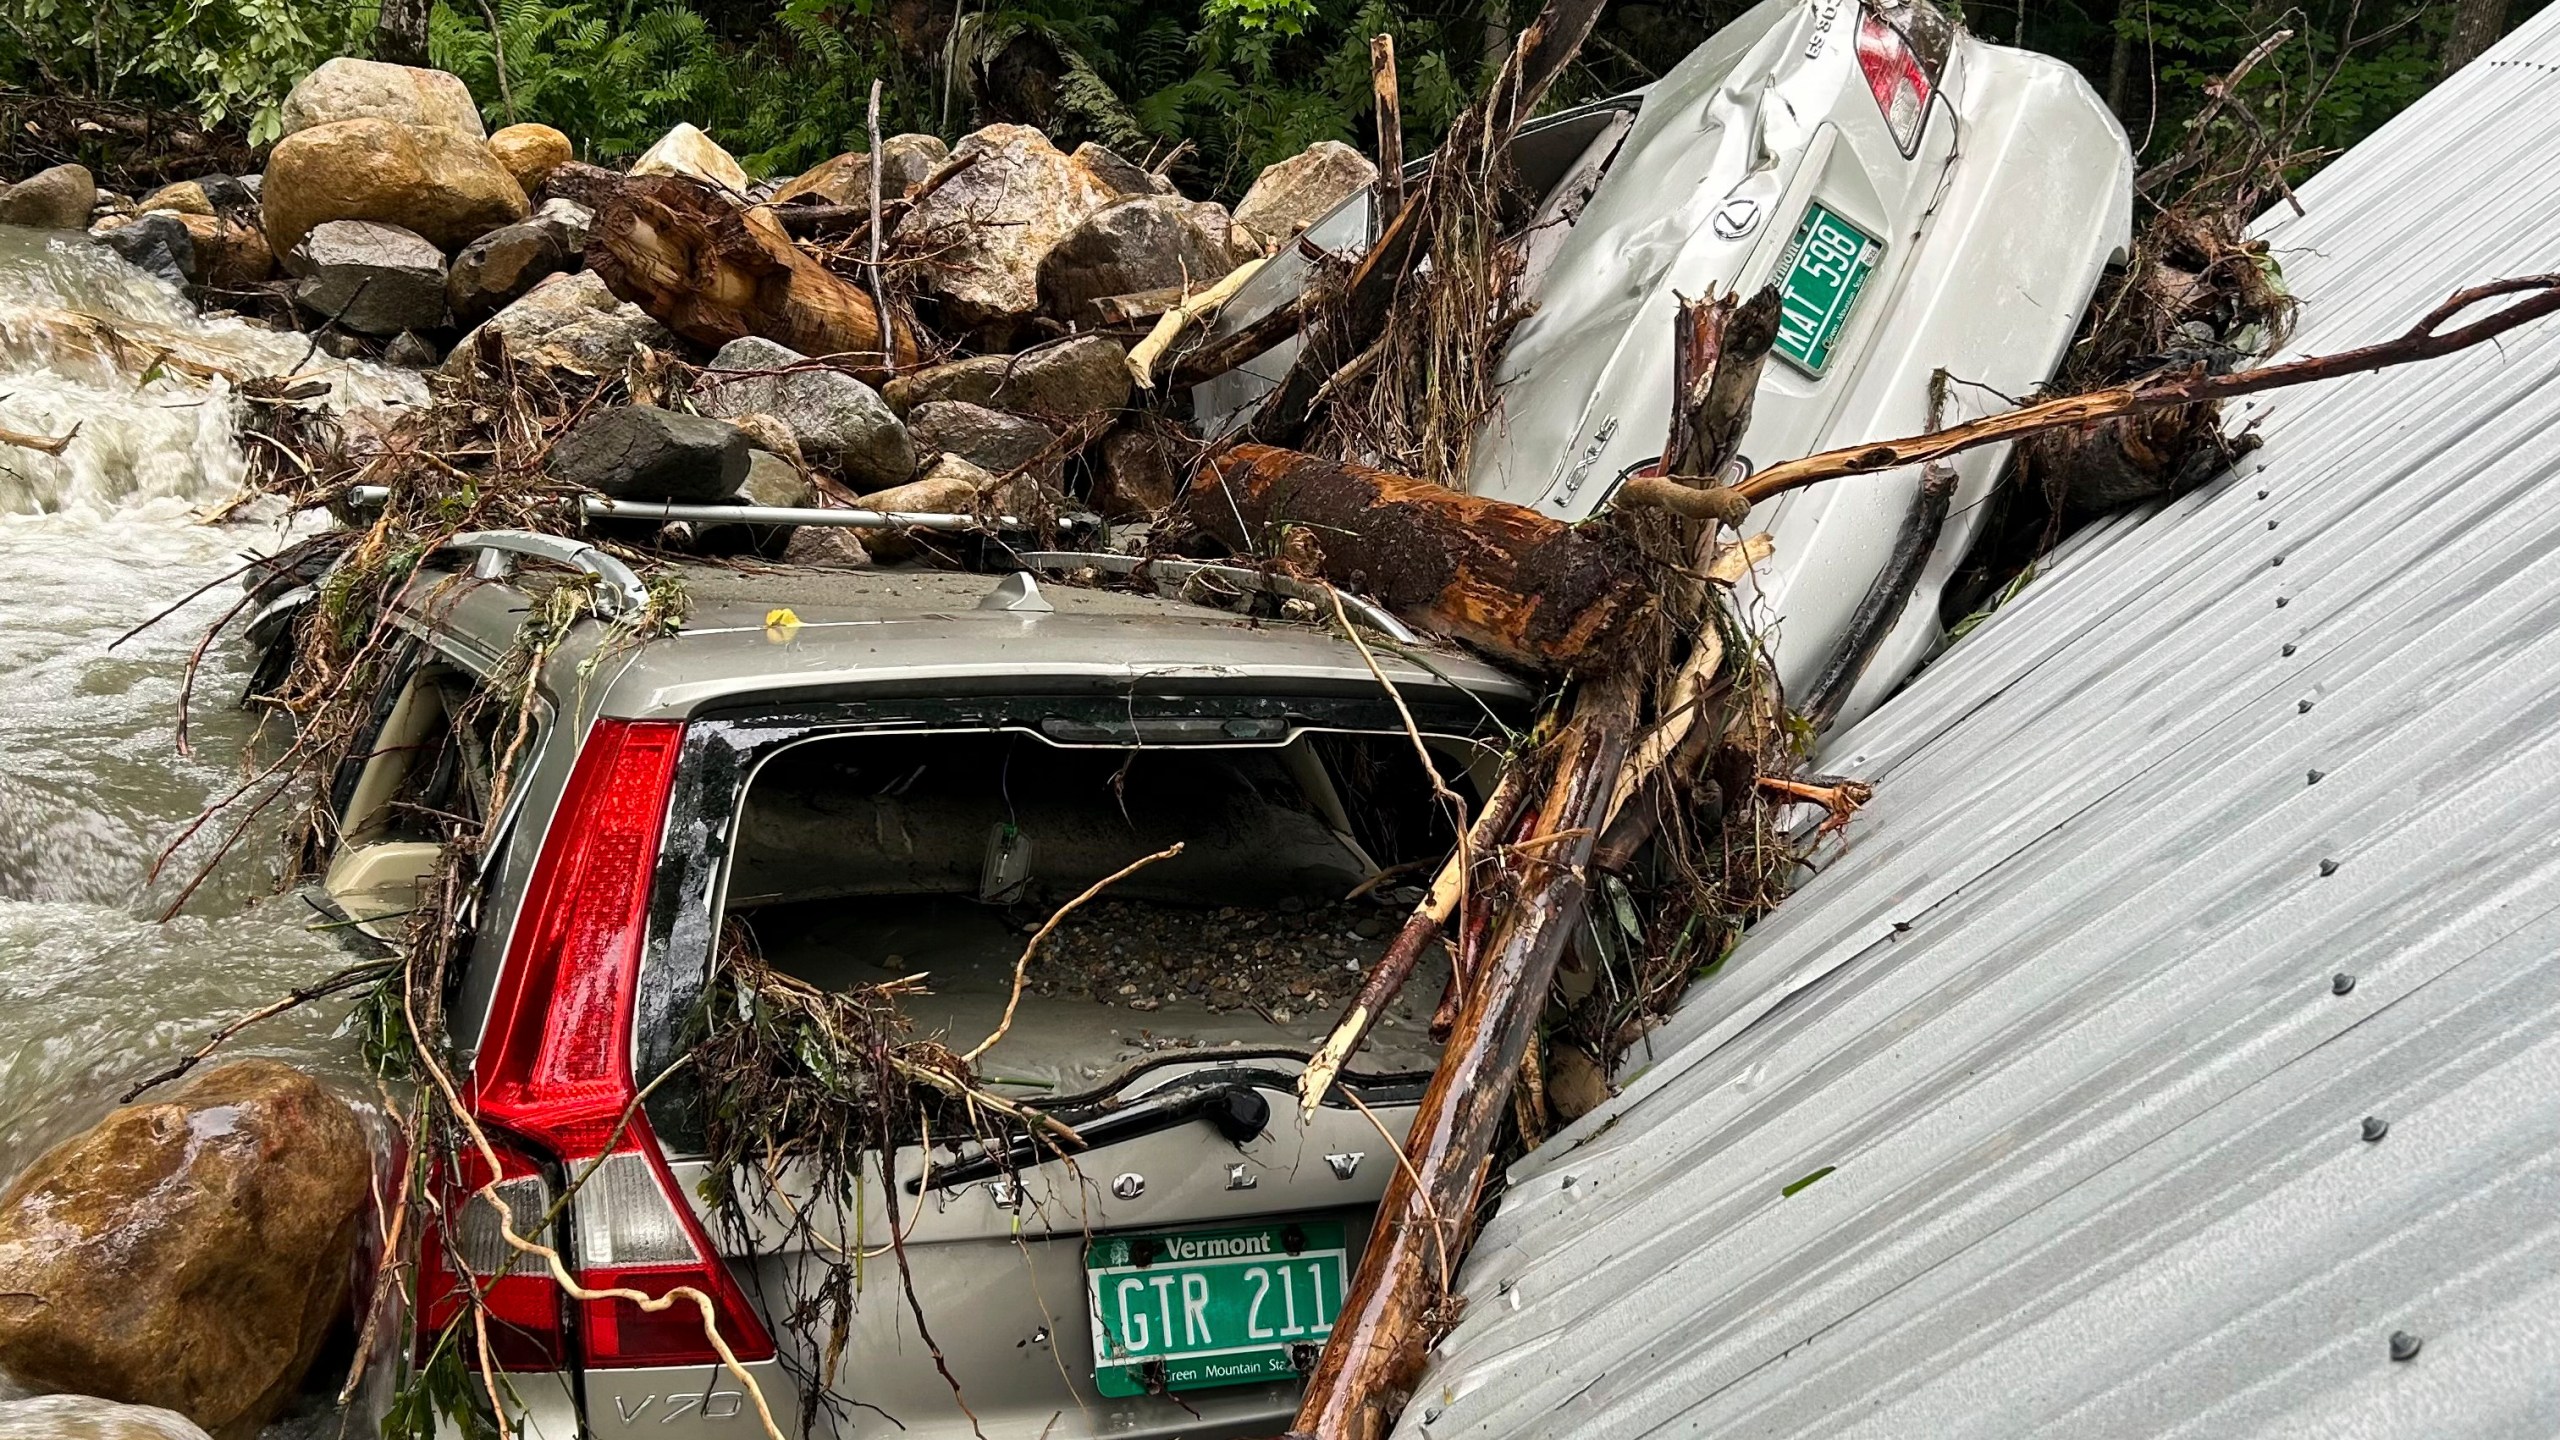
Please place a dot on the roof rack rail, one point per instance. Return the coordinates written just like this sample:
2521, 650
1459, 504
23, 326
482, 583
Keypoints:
1365, 612
599, 507
620, 592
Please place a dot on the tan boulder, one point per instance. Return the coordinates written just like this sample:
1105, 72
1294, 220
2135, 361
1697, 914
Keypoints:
192, 1252
568, 322
531, 153
439, 183
948, 486
991, 224
230, 254
1294, 194
185, 196
350, 89
846, 179
687, 151
85, 1417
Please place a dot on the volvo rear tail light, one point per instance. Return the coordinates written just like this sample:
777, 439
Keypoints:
557, 1066
1902, 49
463, 1249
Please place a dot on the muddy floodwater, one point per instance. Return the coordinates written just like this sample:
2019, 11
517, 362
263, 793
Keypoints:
95, 990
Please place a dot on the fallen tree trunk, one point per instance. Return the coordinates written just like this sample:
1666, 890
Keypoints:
1398, 1299
1521, 586
714, 273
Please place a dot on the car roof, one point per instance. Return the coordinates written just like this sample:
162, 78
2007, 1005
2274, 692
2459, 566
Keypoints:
885, 631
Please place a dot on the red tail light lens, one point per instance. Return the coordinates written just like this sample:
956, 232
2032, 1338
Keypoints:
462, 1250
556, 1067
1902, 62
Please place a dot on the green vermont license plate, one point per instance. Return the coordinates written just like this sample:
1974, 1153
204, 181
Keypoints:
1211, 1307
1825, 266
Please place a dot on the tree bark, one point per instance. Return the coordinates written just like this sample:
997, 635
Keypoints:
713, 273
1521, 586
2477, 24
1398, 1298
1390, 116
400, 32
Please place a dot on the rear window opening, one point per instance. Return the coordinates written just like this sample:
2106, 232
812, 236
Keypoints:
868, 858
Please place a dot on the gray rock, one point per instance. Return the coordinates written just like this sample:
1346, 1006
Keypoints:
370, 277
572, 220
640, 452
1065, 381
1294, 194
825, 547
157, 243
1147, 243
993, 440
500, 267
772, 480
837, 419
1135, 475
569, 322
84, 1417
55, 199
410, 349
1121, 177
988, 227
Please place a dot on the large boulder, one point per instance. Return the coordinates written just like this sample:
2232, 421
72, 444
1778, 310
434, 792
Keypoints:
191, 1253
370, 278
441, 183
350, 89
990, 225
1294, 194
1066, 381
495, 270
1147, 243
837, 419
640, 452
1120, 176
85, 1417
1134, 473
993, 440
531, 152
686, 151
56, 199
846, 179
568, 322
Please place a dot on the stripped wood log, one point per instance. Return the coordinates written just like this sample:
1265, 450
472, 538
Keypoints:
713, 273
1521, 586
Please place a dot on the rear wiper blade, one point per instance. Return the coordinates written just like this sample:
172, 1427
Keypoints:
1235, 1109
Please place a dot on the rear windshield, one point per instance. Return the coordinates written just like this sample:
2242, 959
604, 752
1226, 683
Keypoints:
873, 857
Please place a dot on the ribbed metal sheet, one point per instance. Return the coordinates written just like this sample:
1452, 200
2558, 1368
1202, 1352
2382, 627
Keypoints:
2061, 1022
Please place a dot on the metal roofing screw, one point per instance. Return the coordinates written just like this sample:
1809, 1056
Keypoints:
2375, 1127
2262, 494
2271, 524
2341, 983
2282, 602
2404, 1346
2278, 560
2302, 707
2315, 777
2288, 649
2328, 867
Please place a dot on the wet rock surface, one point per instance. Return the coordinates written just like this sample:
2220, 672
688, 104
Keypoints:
837, 419
846, 179
1147, 243
441, 183
1137, 476
990, 225
350, 89
993, 440
372, 278
158, 244
192, 1251
56, 199
640, 452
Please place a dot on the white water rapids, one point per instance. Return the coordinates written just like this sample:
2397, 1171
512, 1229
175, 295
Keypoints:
95, 991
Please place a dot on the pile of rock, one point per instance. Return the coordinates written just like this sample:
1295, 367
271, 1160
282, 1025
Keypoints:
395, 224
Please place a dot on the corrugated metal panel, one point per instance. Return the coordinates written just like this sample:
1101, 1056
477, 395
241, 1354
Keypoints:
2062, 1021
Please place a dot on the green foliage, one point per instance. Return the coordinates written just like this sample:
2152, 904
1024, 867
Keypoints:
226, 60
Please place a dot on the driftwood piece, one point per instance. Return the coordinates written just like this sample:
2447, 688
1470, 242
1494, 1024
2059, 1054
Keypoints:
2426, 340
714, 273
1389, 108
1390, 1314
1521, 586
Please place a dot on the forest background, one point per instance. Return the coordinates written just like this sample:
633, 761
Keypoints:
1228, 84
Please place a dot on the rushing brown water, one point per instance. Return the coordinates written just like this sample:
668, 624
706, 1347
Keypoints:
94, 990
